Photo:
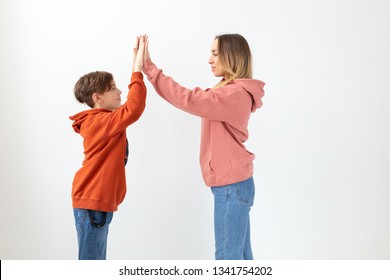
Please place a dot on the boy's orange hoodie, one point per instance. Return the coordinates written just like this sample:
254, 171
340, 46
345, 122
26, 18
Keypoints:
100, 184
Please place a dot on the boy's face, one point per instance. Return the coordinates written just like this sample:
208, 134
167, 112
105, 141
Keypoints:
110, 99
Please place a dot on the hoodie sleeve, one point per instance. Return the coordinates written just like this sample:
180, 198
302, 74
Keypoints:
219, 104
130, 111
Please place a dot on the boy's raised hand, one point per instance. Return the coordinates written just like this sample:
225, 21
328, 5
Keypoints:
135, 49
139, 51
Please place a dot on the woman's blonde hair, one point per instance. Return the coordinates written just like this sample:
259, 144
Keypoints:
235, 56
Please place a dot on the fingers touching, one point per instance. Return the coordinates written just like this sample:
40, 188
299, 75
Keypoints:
141, 52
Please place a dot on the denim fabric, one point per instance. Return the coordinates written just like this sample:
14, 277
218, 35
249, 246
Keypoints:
92, 230
232, 204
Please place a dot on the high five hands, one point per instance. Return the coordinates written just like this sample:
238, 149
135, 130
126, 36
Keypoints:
141, 52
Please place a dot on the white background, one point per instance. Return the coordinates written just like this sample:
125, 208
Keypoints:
321, 139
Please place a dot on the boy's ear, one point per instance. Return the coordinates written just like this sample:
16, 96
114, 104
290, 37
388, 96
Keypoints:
96, 98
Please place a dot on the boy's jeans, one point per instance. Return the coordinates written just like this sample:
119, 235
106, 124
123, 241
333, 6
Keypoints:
232, 204
92, 230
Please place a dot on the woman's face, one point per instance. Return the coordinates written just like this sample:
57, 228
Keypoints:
216, 66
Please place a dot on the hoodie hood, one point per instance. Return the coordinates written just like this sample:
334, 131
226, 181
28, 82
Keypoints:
79, 118
255, 88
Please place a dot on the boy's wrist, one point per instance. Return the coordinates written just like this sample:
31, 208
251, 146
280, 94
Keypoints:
137, 74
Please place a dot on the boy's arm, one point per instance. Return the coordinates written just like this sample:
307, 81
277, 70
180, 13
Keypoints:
130, 111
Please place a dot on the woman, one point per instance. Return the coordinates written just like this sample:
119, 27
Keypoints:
225, 110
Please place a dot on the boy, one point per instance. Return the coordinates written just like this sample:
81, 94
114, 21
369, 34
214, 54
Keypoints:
99, 186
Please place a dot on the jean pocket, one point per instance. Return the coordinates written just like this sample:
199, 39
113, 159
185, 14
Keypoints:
246, 192
97, 218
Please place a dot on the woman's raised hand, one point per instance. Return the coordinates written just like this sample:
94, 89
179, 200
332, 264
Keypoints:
146, 55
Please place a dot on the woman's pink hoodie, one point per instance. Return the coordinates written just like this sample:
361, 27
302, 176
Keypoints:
225, 113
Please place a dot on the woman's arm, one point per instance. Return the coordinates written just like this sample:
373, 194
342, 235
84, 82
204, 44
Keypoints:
216, 104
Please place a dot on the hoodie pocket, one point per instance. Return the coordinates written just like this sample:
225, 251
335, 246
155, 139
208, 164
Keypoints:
211, 168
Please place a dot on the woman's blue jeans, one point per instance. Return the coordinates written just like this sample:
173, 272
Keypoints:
232, 204
92, 231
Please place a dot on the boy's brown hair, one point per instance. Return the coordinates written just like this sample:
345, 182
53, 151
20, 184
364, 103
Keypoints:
87, 85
